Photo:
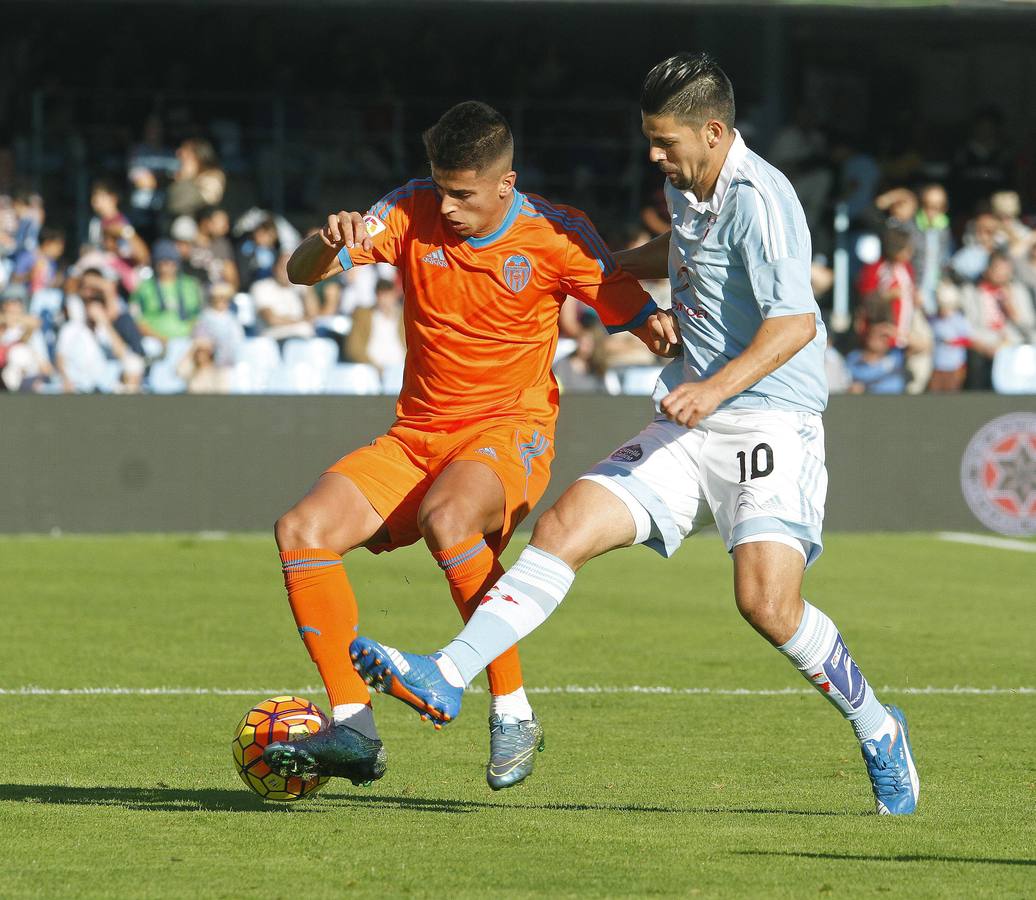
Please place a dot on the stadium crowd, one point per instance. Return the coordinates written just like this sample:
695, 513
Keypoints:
166, 293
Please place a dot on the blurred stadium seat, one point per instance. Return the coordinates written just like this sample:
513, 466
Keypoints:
1014, 370
640, 380
353, 378
392, 381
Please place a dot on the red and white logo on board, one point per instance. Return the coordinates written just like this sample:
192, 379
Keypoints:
998, 474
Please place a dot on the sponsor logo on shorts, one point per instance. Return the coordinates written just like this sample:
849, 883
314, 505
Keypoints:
487, 451
517, 272
629, 453
374, 225
998, 474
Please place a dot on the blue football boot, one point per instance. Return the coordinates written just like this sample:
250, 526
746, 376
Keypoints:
890, 764
414, 679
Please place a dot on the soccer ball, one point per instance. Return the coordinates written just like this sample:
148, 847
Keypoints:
278, 719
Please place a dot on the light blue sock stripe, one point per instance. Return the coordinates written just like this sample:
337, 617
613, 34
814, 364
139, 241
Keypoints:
309, 564
463, 557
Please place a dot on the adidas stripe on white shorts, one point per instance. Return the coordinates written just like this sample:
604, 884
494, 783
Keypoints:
756, 474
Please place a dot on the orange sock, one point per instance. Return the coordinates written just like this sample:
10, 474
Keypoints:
324, 607
471, 569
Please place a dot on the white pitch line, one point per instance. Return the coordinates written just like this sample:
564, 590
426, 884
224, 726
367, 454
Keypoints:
982, 540
35, 691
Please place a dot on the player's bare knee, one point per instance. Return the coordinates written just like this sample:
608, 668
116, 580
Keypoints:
768, 611
446, 524
561, 535
298, 529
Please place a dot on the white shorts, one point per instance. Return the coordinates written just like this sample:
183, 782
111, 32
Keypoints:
755, 474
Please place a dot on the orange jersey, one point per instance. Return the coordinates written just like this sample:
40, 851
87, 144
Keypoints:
481, 314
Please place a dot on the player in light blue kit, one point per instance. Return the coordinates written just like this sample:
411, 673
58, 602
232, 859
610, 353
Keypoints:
737, 441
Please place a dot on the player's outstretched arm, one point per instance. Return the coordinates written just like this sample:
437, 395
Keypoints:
647, 262
316, 258
777, 340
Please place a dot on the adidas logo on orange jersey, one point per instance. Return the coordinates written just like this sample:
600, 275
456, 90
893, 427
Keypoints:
436, 258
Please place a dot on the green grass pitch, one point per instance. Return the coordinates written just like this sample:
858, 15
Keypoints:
675, 794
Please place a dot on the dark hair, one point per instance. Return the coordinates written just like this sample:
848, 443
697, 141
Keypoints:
203, 151
50, 234
894, 241
104, 186
383, 284
691, 87
471, 135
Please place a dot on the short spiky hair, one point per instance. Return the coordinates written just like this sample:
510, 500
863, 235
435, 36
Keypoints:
471, 135
690, 87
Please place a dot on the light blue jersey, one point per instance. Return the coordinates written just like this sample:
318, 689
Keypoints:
735, 260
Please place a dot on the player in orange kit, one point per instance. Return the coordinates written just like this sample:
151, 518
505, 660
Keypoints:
485, 269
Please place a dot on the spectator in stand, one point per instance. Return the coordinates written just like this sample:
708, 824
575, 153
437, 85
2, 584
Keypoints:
377, 336
219, 324
983, 164
108, 221
183, 233
199, 181
24, 364
199, 369
899, 206
212, 248
1025, 270
933, 243
258, 254
39, 268
891, 278
169, 302
1014, 236
96, 284
879, 367
86, 343
1000, 312
888, 291
28, 214
952, 334
583, 371
152, 153
287, 310
146, 202
980, 240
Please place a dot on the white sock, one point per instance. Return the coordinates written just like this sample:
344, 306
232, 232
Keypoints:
514, 704
358, 716
819, 653
519, 602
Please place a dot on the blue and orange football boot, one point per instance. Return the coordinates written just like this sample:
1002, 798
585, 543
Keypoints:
414, 679
890, 764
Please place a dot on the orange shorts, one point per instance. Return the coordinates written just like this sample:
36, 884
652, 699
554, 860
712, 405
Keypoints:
395, 472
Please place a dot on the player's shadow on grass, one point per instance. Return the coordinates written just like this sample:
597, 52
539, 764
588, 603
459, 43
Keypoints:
901, 858
166, 799
156, 799
427, 804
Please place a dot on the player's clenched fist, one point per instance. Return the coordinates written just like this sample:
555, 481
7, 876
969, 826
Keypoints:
687, 404
346, 228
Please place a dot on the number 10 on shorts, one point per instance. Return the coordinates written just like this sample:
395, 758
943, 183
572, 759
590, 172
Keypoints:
762, 462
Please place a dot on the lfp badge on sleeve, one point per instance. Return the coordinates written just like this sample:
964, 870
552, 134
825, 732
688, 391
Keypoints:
998, 474
517, 272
